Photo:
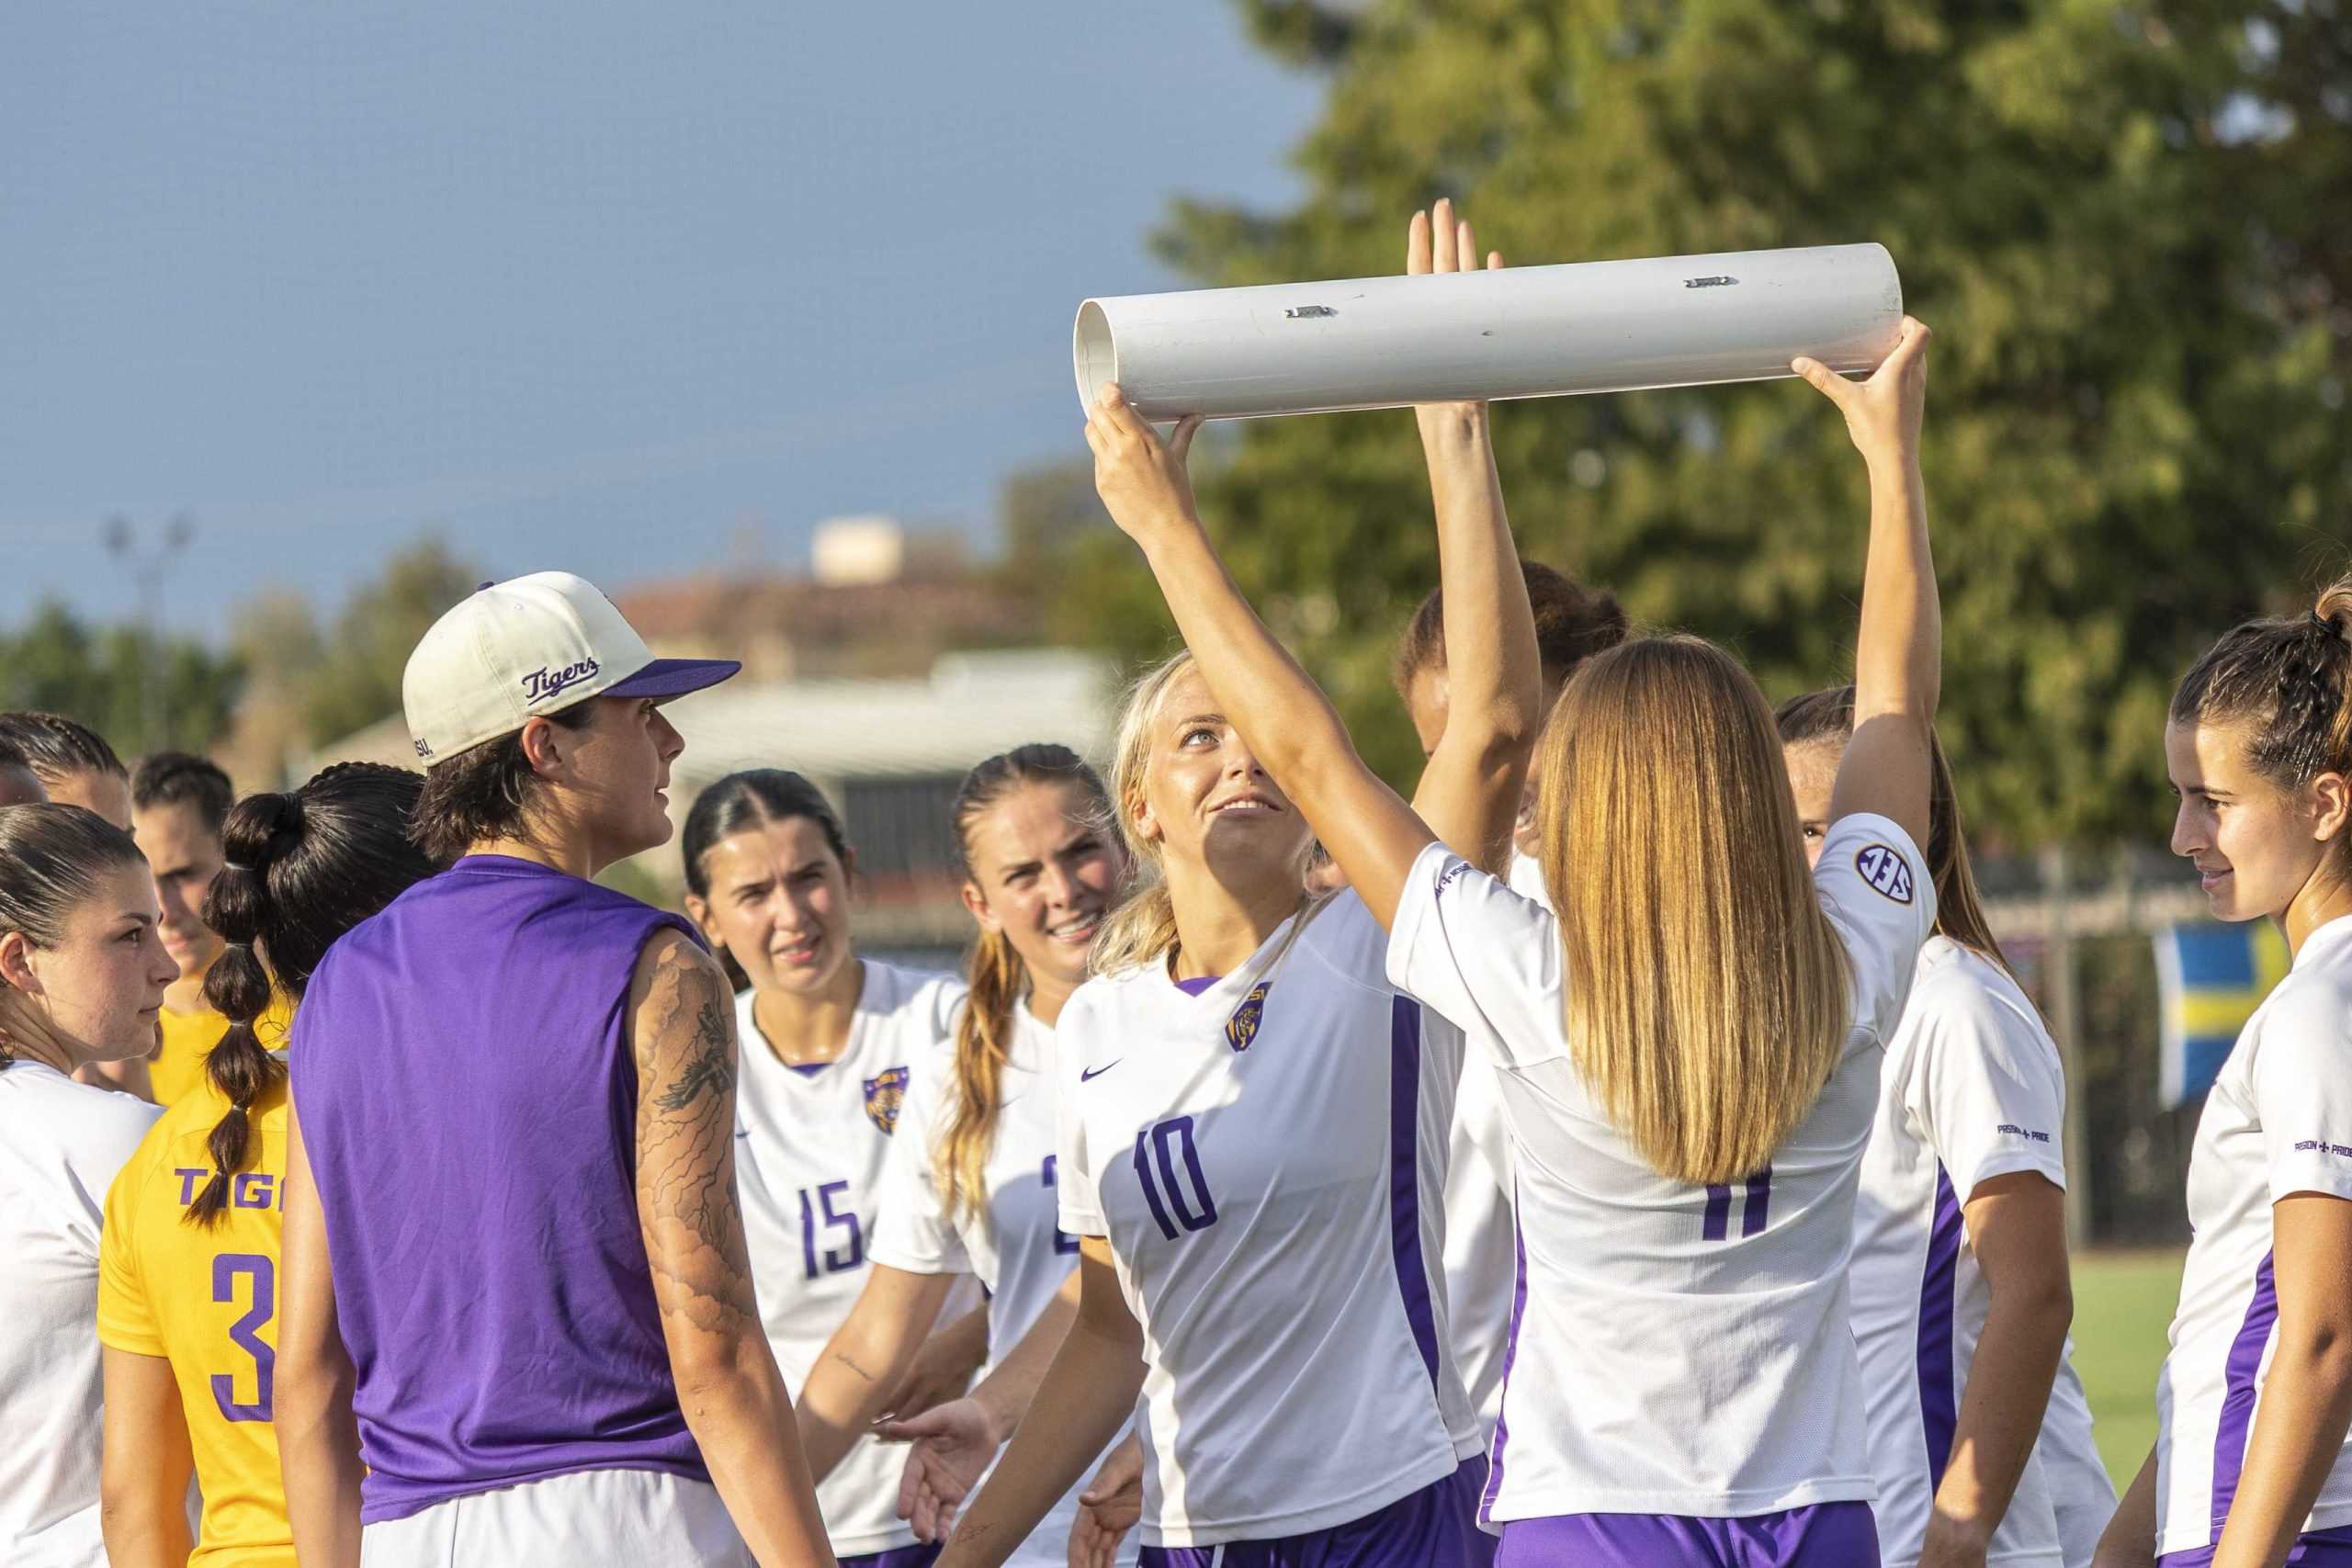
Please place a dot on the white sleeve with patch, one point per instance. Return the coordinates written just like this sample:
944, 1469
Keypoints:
1486, 959
912, 1231
1873, 886
1078, 1199
2303, 1093
1986, 1085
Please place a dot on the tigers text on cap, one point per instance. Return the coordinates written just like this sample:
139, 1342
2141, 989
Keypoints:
529, 647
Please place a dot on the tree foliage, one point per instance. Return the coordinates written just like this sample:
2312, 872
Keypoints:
356, 678
2130, 225
144, 692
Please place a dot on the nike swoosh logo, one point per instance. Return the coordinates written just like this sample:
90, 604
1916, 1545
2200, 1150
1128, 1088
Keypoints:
1085, 1074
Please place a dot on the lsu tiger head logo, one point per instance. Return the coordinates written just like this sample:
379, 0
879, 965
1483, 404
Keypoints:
1888, 874
1243, 1027
885, 1094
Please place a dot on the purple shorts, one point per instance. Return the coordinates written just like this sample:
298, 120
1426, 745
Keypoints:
2321, 1548
1434, 1528
897, 1557
1828, 1535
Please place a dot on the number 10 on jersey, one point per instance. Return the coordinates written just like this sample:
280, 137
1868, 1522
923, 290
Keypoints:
1177, 1199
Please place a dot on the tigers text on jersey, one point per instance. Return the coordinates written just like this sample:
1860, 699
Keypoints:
810, 1146
1017, 1248
2277, 1121
1972, 1090
61, 1145
1675, 1350
205, 1298
1267, 1159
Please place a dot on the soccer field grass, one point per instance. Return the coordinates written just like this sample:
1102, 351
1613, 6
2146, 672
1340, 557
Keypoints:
2123, 1303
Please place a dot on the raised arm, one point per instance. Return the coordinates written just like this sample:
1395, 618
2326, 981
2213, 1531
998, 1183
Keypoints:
318, 1435
1472, 784
864, 1360
683, 1035
1898, 655
1469, 793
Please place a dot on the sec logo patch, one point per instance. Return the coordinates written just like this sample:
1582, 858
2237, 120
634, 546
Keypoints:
1888, 874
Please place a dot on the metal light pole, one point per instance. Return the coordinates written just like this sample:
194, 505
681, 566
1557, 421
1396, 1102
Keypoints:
148, 568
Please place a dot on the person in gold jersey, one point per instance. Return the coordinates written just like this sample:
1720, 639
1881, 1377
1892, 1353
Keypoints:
189, 1257
178, 804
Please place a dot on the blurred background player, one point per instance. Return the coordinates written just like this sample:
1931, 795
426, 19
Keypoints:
970, 1184
539, 1336
1980, 1434
178, 805
1682, 1385
2251, 1467
1253, 1139
76, 765
187, 1290
1572, 624
82, 974
830, 1045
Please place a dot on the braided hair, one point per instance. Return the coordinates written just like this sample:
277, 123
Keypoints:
2291, 680
303, 867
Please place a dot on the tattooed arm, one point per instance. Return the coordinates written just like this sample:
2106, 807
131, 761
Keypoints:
681, 1025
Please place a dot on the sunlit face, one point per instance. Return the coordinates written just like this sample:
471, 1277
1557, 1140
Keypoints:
779, 902
109, 794
1813, 775
619, 773
185, 853
1206, 800
1043, 872
1429, 697
99, 990
2254, 845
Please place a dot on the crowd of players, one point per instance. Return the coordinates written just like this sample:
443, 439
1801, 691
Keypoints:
1633, 1150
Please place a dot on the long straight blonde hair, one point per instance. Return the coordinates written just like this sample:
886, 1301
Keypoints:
1707, 992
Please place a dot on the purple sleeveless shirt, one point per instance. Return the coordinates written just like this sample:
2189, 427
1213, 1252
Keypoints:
467, 1103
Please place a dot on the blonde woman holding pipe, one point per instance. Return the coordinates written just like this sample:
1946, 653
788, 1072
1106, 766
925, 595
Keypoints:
1254, 1128
1688, 1051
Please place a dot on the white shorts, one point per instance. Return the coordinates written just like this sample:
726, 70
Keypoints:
646, 1519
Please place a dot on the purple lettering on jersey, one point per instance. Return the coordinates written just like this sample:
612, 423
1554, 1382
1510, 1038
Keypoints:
191, 1180
245, 1332
253, 1189
836, 1261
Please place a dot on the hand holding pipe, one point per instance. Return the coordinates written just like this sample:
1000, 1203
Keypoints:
1536, 332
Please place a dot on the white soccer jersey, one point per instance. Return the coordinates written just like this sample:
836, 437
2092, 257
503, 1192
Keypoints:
809, 1156
1972, 1090
61, 1145
1019, 1249
1678, 1350
1266, 1158
2079, 1485
2277, 1122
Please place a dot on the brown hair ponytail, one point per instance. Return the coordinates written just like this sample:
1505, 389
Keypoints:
2290, 680
303, 867
998, 976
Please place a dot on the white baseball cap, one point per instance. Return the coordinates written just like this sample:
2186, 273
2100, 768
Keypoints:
515, 650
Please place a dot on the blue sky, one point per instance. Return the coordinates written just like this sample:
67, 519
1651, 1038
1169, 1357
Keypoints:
632, 289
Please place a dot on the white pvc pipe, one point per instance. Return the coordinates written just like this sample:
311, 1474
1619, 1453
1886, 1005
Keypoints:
1533, 332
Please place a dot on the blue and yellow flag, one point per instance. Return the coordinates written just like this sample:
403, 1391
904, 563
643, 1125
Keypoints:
2210, 978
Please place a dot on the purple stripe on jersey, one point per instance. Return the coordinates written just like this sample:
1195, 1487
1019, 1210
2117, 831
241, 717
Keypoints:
2320, 1548
1717, 1223
2243, 1370
897, 1557
1427, 1529
1938, 1283
1511, 1354
1826, 1535
1198, 984
1752, 1217
1403, 1174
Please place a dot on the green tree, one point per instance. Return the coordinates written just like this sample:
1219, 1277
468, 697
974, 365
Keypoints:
119, 680
2126, 221
356, 678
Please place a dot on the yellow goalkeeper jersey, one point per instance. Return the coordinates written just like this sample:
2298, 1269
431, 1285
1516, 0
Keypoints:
204, 1299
